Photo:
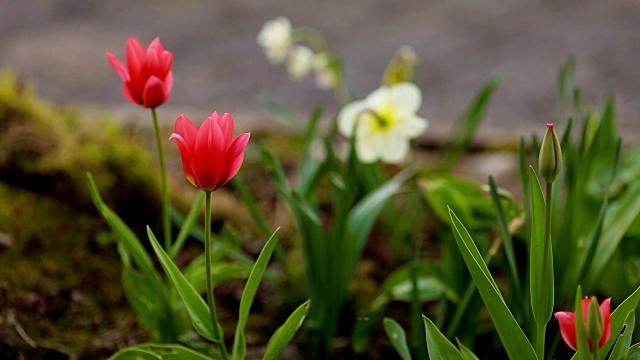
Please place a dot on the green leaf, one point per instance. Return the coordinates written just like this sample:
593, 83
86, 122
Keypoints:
621, 349
465, 352
506, 237
513, 338
360, 222
634, 352
542, 307
158, 352
196, 307
618, 219
281, 112
220, 272
397, 336
128, 238
466, 126
440, 348
149, 301
285, 333
239, 344
187, 225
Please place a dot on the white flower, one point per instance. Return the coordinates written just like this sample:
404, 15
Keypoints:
384, 122
275, 39
300, 62
325, 75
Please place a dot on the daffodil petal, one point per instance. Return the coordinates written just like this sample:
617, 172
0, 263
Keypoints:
348, 116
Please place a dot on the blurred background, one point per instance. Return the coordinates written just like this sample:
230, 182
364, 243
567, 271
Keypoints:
59, 46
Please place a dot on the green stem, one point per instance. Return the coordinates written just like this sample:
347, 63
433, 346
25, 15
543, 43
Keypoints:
166, 206
207, 254
547, 280
542, 329
595, 350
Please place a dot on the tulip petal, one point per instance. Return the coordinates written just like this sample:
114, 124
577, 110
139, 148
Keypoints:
605, 309
135, 58
187, 129
228, 128
234, 157
567, 321
118, 66
154, 93
208, 161
128, 93
186, 155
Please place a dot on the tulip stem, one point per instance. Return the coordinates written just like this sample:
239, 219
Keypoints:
547, 278
207, 254
595, 351
542, 329
166, 206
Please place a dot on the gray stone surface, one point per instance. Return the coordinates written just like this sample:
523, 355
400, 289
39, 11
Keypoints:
60, 46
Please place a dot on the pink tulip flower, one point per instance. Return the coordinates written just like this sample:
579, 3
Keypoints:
568, 325
148, 79
210, 154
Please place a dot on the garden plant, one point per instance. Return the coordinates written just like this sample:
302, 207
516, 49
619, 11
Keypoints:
470, 270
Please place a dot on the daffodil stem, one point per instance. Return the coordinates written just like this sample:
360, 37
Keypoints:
166, 206
207, 254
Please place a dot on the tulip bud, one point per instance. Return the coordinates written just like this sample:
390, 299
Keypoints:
595, 321
550, 160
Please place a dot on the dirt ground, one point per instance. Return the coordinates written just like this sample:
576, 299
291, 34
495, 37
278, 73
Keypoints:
60, 46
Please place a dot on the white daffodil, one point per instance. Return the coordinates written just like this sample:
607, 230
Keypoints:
325, 75
300, 62
384, 122
275, 39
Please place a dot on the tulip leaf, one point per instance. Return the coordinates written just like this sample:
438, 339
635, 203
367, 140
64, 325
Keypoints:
149, 300
285, 333
397, 336
634, 352
620, 216
195, 304
466, 353
542, 307
128, 238
187, 225
440, 348
513, 338
621, 349
220, 272
239, 344
158, 352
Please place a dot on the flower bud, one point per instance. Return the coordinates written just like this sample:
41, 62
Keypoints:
401, 68
595, 321
550, 160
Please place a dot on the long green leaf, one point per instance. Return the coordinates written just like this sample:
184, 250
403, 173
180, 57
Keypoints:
187, 225
285, 333
360, 222
440, 348
196, 307
239, 344
513, 338
466, 353
621, 349
397, 336
128, 238
542, 307
149, 301
506, 237
583, 353
158, 352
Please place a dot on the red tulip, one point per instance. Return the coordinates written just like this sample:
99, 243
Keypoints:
149, 79
567, 322
210, 154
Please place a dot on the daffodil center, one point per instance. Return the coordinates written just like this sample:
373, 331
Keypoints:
381, 119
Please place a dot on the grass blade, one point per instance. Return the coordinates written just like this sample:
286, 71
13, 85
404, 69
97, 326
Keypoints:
285, 333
